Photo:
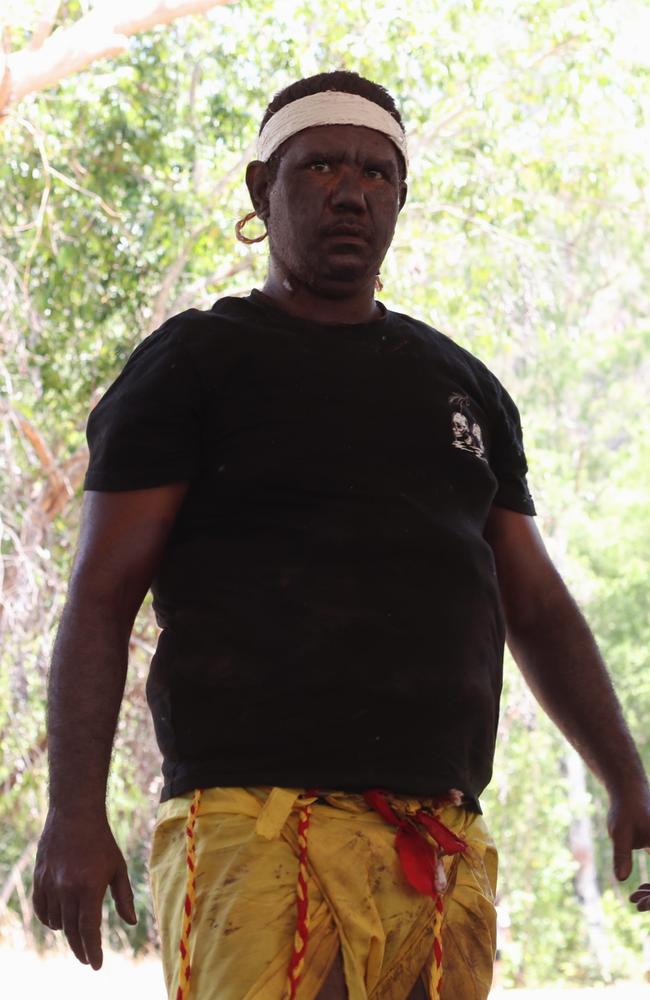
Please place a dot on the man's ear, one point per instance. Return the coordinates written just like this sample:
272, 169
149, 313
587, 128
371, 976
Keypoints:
403, 191
257, 182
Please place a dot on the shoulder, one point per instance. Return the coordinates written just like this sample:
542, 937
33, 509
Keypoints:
448, 352
196, 336
198, 326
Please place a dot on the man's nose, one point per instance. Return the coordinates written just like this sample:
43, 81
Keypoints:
348, 191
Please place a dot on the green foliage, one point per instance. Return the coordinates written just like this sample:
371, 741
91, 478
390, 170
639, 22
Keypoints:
524, 238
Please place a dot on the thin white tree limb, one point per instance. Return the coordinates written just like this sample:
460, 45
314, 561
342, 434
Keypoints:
100, 34
16, 872
46, 22
189, 294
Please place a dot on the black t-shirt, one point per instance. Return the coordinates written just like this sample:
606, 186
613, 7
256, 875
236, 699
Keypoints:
329, 607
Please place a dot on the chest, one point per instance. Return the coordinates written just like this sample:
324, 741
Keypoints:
381, 417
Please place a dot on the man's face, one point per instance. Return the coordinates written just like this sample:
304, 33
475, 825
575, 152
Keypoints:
333, 206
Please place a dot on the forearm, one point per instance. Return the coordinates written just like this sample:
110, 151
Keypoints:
559, 658
86, 685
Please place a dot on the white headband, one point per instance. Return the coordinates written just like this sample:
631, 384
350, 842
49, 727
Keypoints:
329, 108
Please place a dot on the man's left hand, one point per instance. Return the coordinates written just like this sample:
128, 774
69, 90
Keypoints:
628, 822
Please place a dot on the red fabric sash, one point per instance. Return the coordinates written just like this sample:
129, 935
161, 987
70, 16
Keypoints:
418, 857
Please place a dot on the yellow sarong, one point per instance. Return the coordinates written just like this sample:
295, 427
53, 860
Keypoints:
244, 912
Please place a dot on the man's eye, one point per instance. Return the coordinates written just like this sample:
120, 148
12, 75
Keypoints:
320, 166
375, 172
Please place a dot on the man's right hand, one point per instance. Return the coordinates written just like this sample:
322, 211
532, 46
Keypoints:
76, 861
123, 537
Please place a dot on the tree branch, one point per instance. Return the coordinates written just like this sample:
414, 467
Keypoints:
176, 268
36, 440
101, 33
189, 294
61, 484
15, 875
45, 24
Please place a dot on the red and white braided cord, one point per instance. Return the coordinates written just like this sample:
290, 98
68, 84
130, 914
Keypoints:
185, 967
302, 906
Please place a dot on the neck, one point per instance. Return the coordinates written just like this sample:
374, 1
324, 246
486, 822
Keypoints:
292, 296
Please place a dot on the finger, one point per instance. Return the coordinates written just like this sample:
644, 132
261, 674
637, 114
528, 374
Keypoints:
54, 921
122, 894
90, 921
39, 902
70, 914
622, 859
643, 890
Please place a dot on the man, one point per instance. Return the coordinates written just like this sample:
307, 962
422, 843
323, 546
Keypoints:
329, 501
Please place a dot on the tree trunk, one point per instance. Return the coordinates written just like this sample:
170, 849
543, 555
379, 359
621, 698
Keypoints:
581, 843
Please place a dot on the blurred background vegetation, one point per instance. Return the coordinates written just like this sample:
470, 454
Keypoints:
524, 238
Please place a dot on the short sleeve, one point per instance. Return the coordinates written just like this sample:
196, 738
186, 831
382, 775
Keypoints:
144, 432
508, 459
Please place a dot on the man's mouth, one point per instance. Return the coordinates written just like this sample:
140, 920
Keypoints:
347, 232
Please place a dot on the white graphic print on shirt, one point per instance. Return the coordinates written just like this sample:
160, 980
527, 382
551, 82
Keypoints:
465, 429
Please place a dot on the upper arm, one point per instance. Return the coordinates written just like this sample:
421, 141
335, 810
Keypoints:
123, 536
526, 574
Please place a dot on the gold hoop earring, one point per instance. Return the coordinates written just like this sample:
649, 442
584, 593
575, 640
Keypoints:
378, 283
248, 239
